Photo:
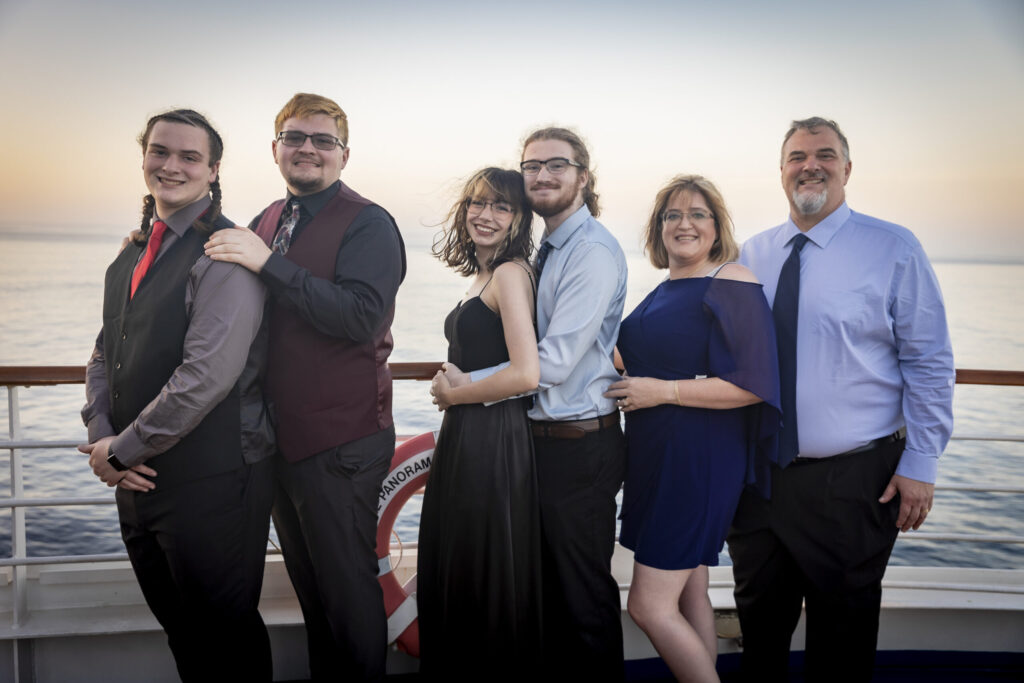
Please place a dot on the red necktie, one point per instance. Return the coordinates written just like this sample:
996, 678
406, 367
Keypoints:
152, 247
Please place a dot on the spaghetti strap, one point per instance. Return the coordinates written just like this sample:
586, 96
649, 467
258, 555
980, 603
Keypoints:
485, 285
714, 273
530, 274
533, 286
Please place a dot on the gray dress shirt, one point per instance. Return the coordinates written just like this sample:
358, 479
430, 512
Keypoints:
225, 307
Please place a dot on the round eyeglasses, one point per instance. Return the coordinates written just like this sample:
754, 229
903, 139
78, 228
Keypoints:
498, 207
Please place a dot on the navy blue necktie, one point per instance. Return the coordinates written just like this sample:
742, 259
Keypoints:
542, 256
784, 309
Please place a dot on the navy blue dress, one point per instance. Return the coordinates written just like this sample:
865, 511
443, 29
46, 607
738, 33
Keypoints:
686, 467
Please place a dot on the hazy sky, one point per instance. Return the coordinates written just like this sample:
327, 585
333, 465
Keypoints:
930, 94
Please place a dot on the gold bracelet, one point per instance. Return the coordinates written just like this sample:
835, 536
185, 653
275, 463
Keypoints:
675, 388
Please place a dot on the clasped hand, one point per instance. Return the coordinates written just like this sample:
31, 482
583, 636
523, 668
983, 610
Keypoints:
131, 479
447, 378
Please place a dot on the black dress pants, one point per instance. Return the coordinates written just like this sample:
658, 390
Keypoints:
198, 550
822, 540
578, 480
325, 513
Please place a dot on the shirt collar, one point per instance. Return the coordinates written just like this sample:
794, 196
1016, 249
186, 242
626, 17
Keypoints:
822, 233
181, 220
313, 203
571, 224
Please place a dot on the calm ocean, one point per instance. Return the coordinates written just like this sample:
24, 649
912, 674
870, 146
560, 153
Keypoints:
50, 288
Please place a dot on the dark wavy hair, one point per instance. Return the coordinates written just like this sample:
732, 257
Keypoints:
455, 247
190, 118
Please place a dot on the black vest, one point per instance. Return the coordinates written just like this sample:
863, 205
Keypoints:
143, 342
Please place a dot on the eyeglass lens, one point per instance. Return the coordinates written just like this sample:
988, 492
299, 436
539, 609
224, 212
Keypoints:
295, 138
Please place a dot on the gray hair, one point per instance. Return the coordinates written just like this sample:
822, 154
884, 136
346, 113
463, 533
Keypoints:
812, 123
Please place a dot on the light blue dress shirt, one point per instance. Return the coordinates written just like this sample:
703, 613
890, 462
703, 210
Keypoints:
873, 348
579, 307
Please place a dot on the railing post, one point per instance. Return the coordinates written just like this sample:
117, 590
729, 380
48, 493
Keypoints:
18, 537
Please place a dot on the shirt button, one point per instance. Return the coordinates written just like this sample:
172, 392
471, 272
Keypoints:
117, 394
124, 335
117, 367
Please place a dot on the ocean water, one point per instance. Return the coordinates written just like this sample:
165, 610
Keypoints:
51, 282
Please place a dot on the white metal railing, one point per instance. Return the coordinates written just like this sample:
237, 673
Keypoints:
18, 502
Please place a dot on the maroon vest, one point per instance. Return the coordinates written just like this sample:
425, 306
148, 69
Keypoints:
326, 391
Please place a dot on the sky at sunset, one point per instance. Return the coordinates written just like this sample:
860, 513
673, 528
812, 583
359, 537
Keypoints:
930, 94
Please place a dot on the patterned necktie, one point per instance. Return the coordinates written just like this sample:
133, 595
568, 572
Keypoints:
784, 309
283, 240
152, 247
542, 256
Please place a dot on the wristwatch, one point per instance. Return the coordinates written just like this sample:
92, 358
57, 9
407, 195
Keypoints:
115, 463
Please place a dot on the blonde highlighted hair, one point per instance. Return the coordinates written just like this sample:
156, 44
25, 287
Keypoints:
723, 250
456, 248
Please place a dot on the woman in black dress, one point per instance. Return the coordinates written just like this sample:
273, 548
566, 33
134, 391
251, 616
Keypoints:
479, 577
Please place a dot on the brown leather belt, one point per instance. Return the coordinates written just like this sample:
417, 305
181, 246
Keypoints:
573, 429
901, 433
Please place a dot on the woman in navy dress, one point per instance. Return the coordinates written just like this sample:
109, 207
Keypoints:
701, 402
479, 552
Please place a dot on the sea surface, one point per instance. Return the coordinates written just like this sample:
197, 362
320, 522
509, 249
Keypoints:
51, 282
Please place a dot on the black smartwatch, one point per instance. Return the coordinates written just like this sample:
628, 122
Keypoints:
115, 463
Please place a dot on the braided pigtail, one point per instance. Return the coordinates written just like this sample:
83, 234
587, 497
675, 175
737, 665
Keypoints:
205, 223
141, 236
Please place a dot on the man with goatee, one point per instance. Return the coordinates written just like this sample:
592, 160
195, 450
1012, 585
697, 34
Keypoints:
866, 377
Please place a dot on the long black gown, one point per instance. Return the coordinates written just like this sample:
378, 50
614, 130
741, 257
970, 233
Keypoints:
479, 569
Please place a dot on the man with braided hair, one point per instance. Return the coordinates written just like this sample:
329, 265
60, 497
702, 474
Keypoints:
175, 415
332, 262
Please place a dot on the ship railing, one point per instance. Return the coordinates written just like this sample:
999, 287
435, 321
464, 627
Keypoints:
16, 377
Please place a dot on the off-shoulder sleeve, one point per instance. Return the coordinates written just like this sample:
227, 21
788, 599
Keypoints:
742, 351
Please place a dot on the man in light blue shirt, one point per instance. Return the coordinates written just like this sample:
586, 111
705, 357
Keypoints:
873, 411
578, 442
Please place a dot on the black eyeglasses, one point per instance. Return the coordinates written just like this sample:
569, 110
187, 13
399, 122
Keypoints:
555, 165
296, 138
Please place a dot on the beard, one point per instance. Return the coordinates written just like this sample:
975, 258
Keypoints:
809, 203
552, 206
305, 185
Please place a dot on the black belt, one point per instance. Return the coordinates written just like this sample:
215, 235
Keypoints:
573, 429
898, 435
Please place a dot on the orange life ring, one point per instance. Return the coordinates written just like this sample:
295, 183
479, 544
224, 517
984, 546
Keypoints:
409, 471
